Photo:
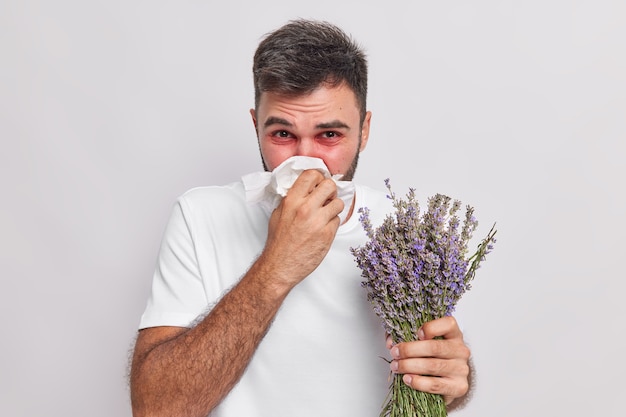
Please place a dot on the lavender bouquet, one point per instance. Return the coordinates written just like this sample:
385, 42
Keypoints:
415, 269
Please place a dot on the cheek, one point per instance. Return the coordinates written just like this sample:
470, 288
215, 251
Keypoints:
274, 155
339, 164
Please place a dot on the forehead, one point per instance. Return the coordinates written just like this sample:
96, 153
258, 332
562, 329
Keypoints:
323, 100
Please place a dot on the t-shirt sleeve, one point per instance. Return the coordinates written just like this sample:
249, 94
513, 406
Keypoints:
177, 297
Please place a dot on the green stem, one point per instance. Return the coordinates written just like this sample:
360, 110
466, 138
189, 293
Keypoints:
404, 401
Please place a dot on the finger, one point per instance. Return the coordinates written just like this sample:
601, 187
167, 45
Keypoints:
322, 193
333, 208
312, 184
389, 341
306, 182
446, 327
438, 348
430, 367
450, 368
448, 387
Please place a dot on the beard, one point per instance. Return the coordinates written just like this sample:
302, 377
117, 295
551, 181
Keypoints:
349, 175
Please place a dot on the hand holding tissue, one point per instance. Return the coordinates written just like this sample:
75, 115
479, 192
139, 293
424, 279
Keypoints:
268, 188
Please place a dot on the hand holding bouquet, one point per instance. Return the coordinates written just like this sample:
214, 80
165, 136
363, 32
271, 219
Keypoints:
415, 269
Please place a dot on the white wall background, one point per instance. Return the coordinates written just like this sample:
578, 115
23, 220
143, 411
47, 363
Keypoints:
111, 109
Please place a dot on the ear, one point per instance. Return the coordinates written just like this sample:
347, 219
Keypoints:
365, 130
253, 114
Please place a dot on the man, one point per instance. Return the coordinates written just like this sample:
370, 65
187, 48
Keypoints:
260, 313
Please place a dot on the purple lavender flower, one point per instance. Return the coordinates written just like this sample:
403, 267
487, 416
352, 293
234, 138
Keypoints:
415, 269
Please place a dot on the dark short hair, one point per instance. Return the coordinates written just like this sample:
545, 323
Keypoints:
302, 55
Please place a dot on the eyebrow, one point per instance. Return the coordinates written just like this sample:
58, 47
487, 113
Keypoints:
334, 124
276, 121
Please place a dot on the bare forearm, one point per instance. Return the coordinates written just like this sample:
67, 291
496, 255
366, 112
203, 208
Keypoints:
188, 372
191, 373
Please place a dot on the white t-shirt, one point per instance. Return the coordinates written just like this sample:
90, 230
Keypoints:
323, 354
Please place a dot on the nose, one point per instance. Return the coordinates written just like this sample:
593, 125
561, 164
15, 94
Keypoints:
306, 147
